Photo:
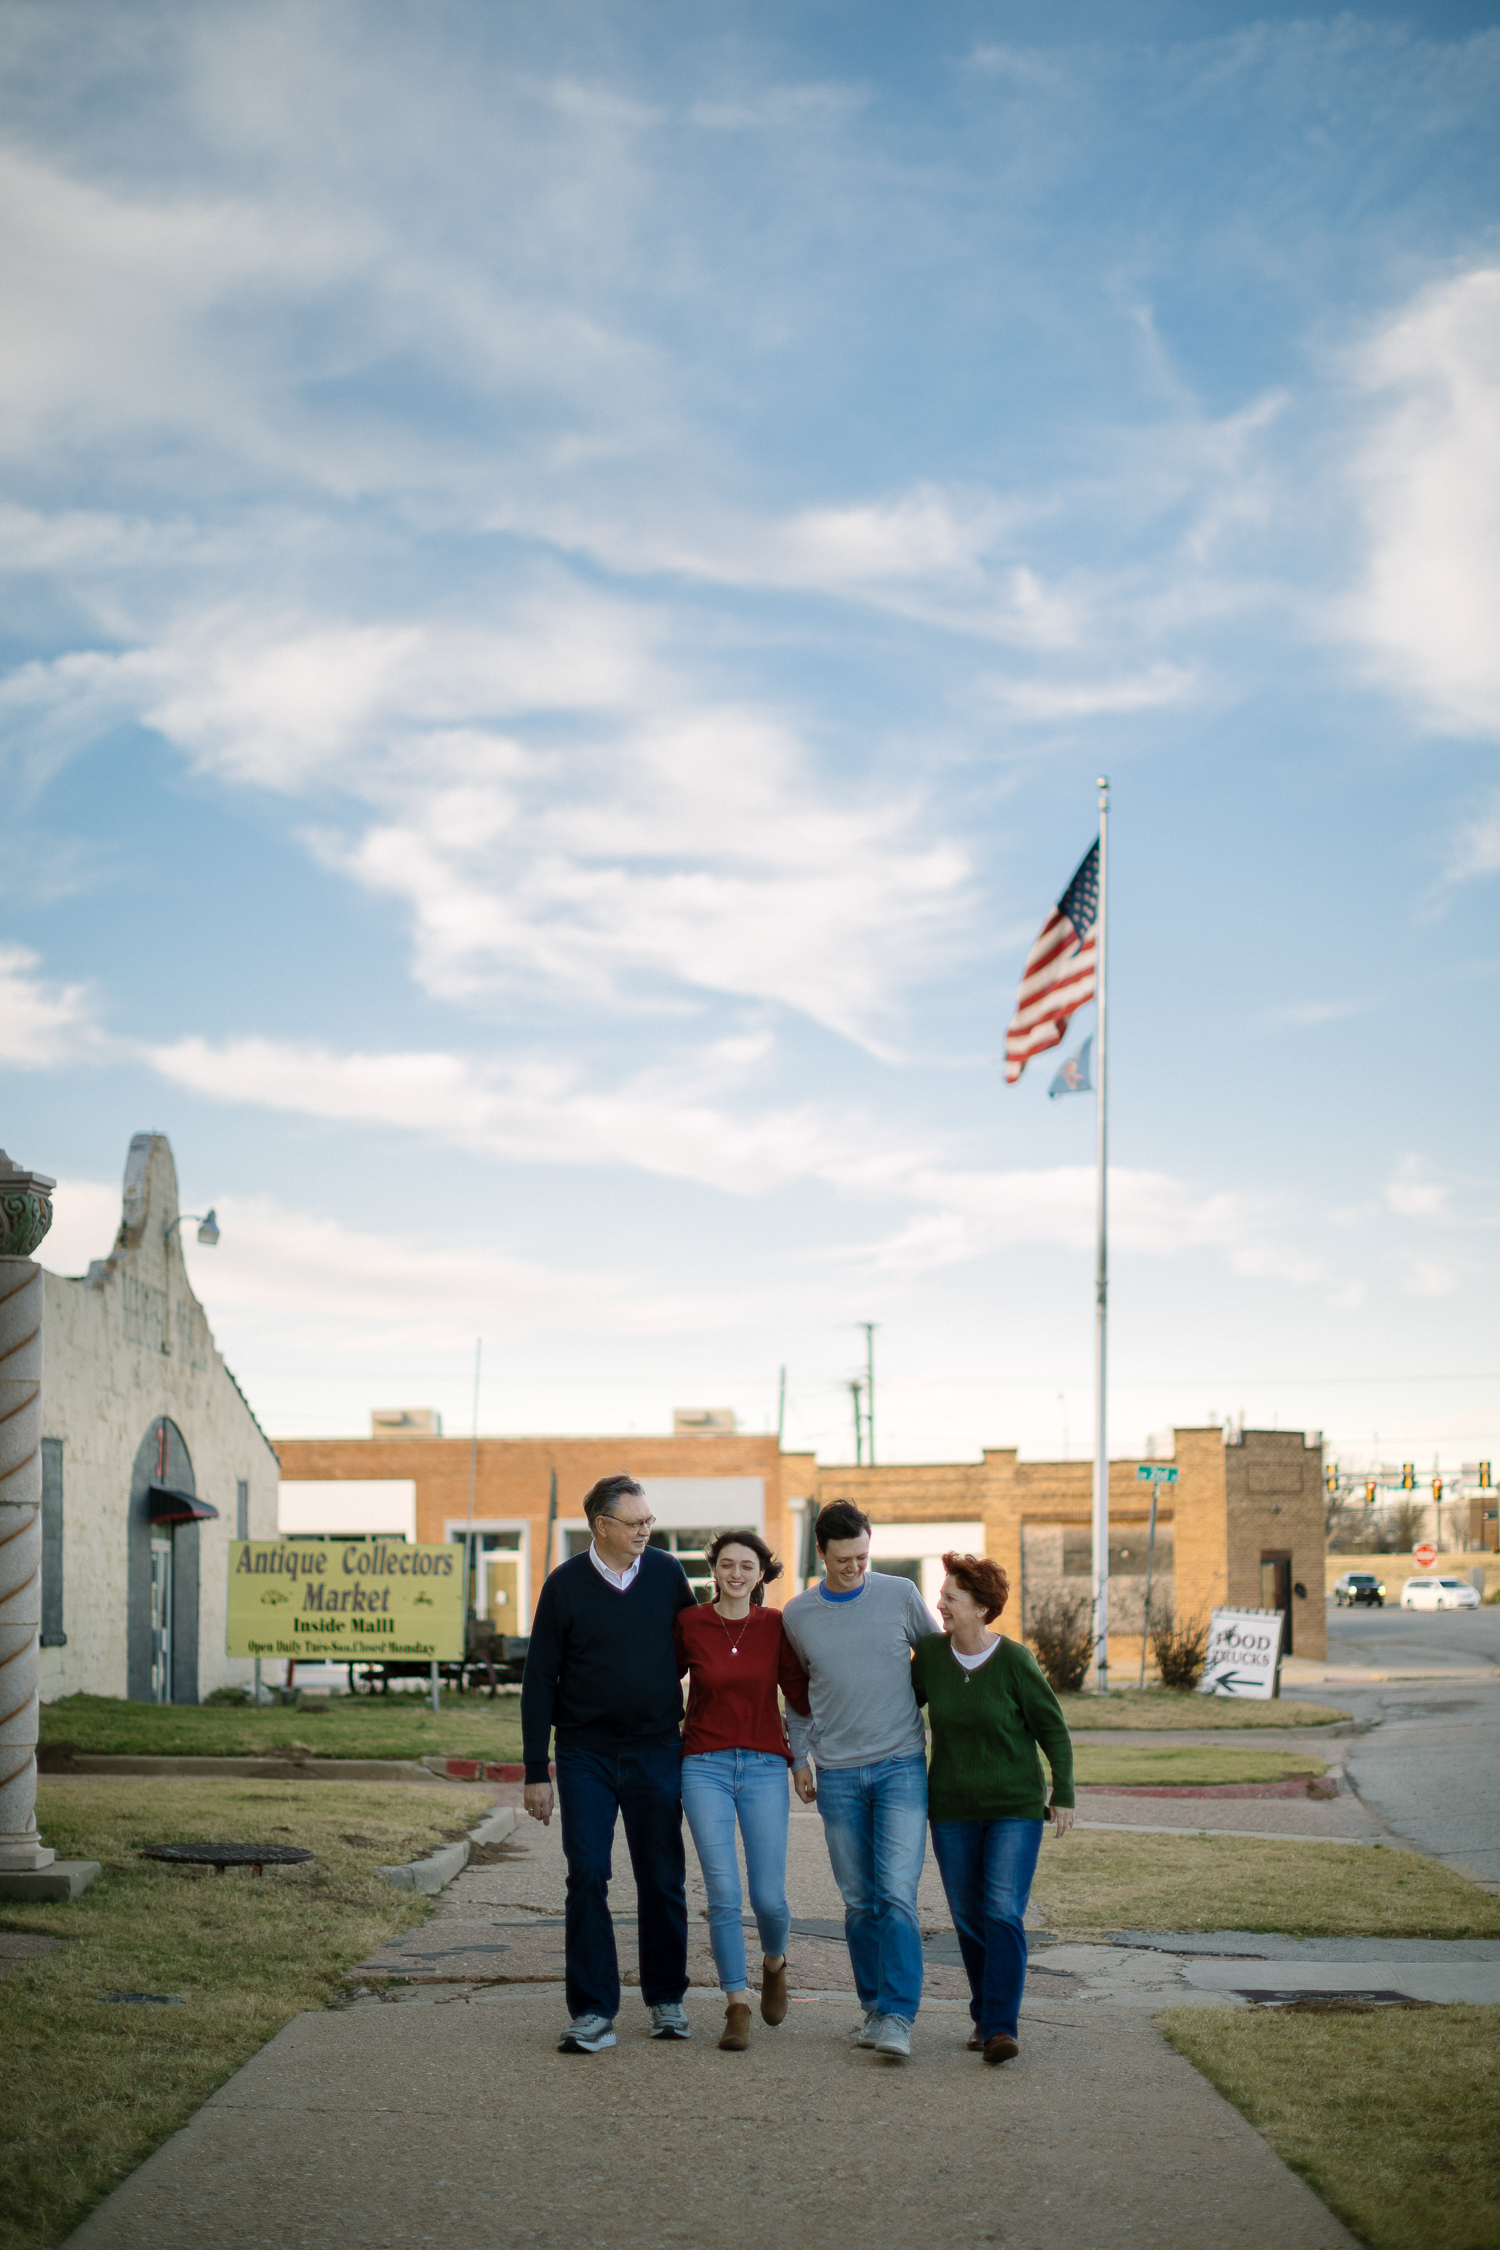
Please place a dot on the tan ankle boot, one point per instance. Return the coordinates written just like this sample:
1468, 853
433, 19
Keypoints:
773, 1992
736, 2028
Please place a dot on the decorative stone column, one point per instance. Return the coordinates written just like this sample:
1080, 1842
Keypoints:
25, 1216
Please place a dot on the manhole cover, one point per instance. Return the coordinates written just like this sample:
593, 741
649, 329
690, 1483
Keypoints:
220, 1856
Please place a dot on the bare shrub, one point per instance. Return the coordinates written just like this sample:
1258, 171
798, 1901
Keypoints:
1062, 1633
1179, 1649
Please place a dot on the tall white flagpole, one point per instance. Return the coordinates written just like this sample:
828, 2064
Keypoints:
1101, 1285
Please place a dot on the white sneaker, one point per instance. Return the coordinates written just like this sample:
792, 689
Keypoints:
894, 2036
585, 2035
669, 2021
865, 2034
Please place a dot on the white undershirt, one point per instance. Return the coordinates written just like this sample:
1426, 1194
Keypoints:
972, 1663
621, 1580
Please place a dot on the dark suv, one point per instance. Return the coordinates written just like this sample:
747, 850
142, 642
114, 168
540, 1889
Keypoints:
1358, 1586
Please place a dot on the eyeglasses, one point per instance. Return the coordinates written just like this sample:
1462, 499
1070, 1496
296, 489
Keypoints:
634, 1523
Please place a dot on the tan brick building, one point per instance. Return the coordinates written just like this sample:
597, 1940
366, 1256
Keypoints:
1243, 1523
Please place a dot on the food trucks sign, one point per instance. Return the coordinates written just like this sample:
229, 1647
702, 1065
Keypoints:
1244, 1653
345, 1599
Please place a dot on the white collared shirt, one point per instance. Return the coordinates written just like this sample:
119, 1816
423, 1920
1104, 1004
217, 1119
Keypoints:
621, 1580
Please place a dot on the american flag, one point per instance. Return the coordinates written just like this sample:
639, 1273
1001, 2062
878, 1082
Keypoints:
1059, 972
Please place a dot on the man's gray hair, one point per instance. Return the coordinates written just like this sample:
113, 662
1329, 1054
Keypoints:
600, 1499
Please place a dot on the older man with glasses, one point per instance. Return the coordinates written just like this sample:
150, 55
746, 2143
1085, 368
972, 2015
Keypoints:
602, 1672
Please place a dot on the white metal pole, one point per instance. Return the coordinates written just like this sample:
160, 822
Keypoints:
1101, 1286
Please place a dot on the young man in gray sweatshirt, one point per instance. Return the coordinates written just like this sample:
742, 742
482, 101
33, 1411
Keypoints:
855, 1634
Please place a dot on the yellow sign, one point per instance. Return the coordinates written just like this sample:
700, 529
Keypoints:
345, 1599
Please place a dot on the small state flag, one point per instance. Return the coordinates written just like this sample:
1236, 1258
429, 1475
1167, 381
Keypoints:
1074, 1077
1059, 972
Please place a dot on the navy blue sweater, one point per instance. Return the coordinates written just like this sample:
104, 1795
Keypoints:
602, 1666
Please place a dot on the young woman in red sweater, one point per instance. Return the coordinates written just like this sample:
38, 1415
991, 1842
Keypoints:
735, 1761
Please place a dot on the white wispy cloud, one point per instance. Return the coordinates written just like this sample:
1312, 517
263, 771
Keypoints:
971, 1214
671, 1121
1476, 847
662, 844
1429, 482
281, 1277
43, 1025
1153, 689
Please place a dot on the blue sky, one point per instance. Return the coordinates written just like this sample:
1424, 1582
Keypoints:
568, 576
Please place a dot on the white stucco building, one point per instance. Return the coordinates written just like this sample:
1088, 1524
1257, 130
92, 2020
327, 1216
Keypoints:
151, 1463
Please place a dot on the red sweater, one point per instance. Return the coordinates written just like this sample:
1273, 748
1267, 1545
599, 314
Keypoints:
732, 1696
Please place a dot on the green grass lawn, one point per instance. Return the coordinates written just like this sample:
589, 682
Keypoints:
1100, 1763
105, 2085
1090, 1883
1389, 2116
353, 1726
1160, 1707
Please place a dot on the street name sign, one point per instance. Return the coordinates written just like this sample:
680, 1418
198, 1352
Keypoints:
345, 1600
1156, 1472
1244, 1653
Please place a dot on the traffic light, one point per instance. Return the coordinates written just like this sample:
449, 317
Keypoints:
1437, 1488
1369, 1492
1331, 1479
1484, 1475
1408, 1476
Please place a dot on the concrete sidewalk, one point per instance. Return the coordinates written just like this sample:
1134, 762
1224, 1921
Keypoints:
455, 2121
437, 2110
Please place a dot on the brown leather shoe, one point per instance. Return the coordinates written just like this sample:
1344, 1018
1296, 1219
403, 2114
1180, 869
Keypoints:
773, 1992
1001, 2048
736, 2028
976, 2041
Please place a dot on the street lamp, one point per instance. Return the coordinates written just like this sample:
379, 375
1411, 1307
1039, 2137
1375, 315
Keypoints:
208, 1225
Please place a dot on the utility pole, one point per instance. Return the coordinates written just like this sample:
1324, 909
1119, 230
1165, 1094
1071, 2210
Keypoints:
471, 1569
856, 1390
869, 1327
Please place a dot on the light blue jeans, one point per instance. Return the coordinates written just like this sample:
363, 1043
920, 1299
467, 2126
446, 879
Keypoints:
875, 1824
722, 1789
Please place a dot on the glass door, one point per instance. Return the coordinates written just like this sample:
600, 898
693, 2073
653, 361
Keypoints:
161, 1620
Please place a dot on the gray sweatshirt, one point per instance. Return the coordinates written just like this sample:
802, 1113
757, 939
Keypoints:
857, 1656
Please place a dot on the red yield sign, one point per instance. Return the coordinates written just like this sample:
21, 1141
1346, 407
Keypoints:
1424, 1556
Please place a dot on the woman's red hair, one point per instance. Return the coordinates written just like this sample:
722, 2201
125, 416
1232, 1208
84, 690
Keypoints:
984, 1579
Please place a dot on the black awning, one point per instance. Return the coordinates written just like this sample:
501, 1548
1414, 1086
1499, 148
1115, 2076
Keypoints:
167, 1506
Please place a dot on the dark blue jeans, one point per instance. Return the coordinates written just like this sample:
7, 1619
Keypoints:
643, 1787
987, 1867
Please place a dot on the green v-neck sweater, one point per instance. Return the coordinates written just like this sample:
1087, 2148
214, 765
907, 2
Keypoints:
987, 1726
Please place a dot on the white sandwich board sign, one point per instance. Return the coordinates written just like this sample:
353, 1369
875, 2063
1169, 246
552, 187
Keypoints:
1244, 1653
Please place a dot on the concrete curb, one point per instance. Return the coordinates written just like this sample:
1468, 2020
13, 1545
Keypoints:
251, 1769
438, 1869
477, 1769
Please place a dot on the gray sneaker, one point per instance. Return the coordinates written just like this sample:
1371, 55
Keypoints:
865, 2034
669, 2021
894, 2036
585, 2035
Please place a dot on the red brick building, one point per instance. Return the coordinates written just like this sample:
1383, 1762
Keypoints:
1243, 1523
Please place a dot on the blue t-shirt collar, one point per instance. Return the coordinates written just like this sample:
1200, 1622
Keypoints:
854, 1597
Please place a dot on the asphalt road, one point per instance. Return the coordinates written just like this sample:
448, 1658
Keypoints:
1430, 1767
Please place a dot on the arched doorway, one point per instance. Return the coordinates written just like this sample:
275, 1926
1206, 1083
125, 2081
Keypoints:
161, 1610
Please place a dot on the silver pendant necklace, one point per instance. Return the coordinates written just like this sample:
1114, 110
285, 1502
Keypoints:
734, 1645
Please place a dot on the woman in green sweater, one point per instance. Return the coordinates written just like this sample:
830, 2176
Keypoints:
987, 1799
